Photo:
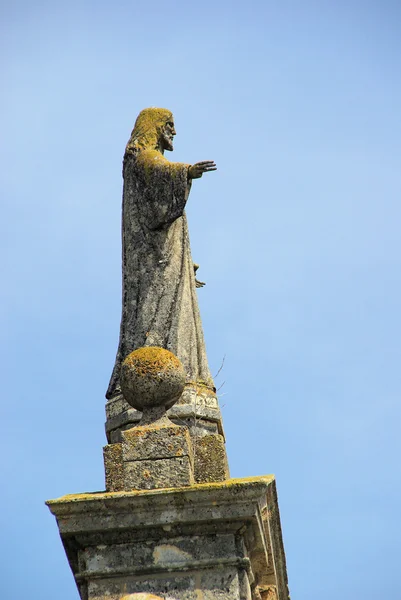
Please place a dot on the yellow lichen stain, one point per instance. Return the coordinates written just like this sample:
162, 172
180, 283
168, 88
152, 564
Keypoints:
153, 161
170, 554
152, 361
147, 129
146, 474
144, 141
198, 586
201, 387
210, 459
261, 481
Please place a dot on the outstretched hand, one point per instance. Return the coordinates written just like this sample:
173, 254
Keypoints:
197, 170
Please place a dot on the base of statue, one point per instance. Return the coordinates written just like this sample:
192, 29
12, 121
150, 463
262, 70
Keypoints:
215, 541
198, 410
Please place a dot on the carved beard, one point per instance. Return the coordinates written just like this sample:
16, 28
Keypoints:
167, 141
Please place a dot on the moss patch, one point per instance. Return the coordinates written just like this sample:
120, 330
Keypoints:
152, 361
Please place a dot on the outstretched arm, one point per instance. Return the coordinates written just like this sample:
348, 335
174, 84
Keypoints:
195, 171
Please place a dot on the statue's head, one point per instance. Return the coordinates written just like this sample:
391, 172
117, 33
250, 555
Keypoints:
153, 130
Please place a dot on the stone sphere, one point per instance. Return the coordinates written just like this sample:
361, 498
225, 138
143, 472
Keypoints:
152, 376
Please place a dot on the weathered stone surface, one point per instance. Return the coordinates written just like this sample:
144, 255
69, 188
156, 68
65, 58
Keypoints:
197, 409
201, 425
210, 459
223, 584
154, 474
199, 396
217, 541
198, 418
269, 593
113, 467
152, 376
196, 396
206, 454
172, 551
151, 456
156, 441
141, 597
203, 422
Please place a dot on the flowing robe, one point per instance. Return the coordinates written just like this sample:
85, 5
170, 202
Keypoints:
159, 304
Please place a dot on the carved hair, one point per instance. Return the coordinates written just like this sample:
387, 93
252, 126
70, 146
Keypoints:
147, 129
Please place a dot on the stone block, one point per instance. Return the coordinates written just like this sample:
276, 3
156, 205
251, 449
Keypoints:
164, 552
113, 466
155, 442
210, 459
199, 396
115, 406
149, 457
161, 473
222, 584
197, 405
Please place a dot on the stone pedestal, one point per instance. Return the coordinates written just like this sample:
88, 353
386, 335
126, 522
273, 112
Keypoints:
198, 411
219, 541
197, 408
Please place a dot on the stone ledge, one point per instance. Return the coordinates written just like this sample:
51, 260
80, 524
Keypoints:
246, 509
192, 396
179, 411
249, 486
194, 565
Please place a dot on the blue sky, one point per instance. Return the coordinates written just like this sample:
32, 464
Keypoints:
297, 235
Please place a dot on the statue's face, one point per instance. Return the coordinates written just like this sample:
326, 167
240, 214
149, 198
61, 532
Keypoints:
167, 136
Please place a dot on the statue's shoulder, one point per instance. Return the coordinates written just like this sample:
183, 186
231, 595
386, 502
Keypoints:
148, 158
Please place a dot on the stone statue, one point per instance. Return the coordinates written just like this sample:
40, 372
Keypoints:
160, 306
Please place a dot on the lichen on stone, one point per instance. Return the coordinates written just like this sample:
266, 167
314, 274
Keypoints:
152, 361
210, 459
153, 161
147, 128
